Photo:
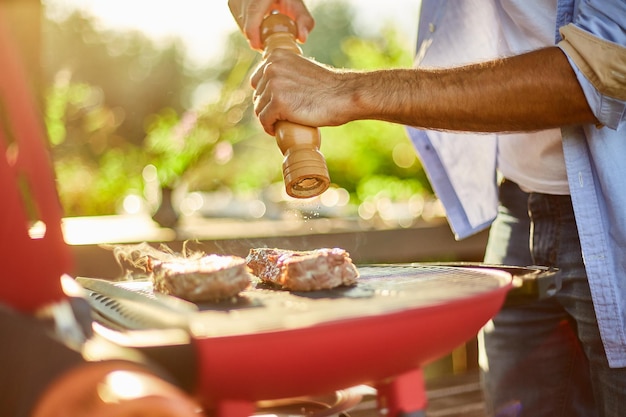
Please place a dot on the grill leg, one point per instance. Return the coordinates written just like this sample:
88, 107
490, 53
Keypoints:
404, 396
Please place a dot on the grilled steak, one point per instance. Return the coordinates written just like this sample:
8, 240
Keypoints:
191, 275
209, 278
303, 270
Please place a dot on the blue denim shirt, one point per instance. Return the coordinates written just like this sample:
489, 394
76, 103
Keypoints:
462, 167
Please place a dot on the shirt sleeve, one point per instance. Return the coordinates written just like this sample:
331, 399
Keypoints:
595, 44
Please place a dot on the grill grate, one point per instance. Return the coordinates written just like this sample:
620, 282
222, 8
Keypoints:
380, 289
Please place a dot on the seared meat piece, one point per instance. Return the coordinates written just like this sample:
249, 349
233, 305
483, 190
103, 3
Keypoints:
209, 278
303, 270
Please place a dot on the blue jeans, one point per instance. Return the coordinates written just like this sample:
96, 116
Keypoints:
545, 358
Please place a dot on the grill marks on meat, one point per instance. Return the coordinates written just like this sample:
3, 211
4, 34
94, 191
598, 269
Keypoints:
210, 278
303, 270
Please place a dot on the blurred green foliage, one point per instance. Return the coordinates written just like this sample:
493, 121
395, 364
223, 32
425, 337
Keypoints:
116, 103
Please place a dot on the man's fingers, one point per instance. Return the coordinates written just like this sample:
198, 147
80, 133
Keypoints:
257, 75
262, 109
254, 13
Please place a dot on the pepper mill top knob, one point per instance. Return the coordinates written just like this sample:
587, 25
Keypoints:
278, 23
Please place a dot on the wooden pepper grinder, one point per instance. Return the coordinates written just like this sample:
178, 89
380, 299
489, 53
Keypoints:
304, 167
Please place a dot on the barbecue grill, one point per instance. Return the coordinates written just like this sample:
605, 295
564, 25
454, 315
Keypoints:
267, 344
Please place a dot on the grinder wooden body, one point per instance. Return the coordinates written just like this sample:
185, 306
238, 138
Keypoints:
304, 167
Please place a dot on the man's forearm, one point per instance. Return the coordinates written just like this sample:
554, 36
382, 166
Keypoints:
534, 91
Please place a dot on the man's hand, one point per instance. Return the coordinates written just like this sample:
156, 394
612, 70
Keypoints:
250, 13
300, 90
